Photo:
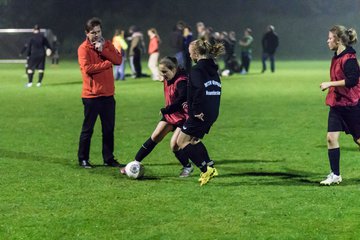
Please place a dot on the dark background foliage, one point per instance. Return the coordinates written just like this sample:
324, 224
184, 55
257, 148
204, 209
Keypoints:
302, 25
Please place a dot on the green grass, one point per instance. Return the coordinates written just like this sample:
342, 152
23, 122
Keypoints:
269, 144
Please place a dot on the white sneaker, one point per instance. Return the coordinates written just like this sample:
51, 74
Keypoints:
331, 179
29, 84
186, 171
38, 84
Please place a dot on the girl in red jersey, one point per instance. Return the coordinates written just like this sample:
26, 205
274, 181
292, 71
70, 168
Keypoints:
343, 96
174, 113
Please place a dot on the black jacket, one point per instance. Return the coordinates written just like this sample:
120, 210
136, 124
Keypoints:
270, 42
204, 90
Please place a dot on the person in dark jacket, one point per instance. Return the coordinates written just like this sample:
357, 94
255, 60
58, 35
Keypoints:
177, 43
270, 42
342, 97
204, 91
37, 49
174, 114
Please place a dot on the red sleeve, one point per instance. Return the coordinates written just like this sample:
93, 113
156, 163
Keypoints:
91, 68
110, 53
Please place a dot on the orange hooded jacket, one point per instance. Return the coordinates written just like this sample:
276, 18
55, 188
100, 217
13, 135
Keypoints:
96, 69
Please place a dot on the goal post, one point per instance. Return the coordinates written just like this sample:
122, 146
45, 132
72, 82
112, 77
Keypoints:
13, 41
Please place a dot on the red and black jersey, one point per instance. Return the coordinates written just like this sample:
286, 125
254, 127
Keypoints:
175, 91
344, 67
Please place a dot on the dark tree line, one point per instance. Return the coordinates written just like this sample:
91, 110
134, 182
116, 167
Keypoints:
301, 25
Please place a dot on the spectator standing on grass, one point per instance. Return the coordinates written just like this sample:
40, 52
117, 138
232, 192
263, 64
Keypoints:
37, 49
174, 114
246, 51
204, 91
342, 97
96, 57
154, 53
121, 45
187, 34
177, 43
270, 42
137, 47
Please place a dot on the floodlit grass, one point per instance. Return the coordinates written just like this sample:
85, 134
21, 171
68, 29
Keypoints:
268, 143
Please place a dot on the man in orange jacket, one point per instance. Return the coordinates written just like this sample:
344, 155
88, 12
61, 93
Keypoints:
96, 58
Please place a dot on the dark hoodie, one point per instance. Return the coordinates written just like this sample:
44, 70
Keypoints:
204, 90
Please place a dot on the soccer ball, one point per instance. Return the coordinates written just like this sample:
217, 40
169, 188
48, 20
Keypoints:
134, 170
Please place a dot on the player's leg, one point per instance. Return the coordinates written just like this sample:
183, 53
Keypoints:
180, 155
334, 159
190, 146
30, 74
161, 130
41, 70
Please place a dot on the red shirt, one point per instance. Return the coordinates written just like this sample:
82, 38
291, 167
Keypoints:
153, 45
172, 98
96, 69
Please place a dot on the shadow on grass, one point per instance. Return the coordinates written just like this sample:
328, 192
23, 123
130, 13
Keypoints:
34, 157
221, 162
270, 178
64, 83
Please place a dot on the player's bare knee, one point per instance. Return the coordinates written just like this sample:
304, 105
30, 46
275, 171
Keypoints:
332, 140
41, 71
29, 71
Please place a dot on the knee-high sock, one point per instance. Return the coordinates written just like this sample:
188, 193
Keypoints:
206, 156
41, 75
196, 155
30, 77
334, 159
145, 149
182, 157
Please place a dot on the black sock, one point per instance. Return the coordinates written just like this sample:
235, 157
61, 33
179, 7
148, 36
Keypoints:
145, 149
30, 77
205, 156
41, 75
183, 159
334, 159
195, 154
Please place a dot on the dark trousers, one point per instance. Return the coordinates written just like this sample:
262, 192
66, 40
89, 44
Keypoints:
265, 56
105, 108
137, 62
245, 61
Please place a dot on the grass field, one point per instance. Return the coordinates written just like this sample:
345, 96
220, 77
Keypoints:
269, 145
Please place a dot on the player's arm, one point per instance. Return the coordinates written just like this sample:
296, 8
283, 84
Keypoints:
351, 71
181, 90
110, 53
91, 68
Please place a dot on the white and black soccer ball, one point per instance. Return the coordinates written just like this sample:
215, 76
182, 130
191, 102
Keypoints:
134, 170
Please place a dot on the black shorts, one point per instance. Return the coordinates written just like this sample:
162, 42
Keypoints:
345, 119
196, 128
36, 62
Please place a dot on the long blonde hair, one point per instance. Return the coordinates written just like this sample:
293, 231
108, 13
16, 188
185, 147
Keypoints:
205, 48
347, 36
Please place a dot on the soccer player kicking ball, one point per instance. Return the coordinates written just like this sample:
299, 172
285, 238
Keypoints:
204, 103
174, 114
343, 96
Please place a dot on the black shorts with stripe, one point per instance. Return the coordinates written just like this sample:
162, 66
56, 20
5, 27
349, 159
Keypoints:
196, 128
345, 119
